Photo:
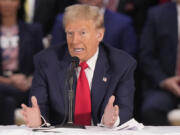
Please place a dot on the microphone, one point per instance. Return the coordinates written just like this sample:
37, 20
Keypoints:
74, 64
75, 61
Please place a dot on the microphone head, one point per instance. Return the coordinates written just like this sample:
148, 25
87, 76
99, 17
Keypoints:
75, 60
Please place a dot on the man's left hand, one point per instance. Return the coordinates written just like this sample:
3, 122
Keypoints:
111, 113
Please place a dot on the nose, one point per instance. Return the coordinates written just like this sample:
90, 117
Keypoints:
76, 38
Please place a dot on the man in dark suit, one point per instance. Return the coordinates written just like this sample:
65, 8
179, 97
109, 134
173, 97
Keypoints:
109, 74
119, 31
158, 61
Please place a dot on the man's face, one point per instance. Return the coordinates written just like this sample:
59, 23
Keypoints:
83, 38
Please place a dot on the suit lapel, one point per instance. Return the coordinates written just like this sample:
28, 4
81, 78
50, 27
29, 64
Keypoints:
99, 83
62, 73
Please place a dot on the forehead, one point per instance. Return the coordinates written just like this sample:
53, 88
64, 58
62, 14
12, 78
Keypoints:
80, 25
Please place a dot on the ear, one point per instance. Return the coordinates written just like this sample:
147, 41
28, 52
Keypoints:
100, 34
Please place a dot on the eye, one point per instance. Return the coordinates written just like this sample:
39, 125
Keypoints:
83, 33
69, 34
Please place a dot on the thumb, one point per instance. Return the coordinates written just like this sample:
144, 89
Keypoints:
111, 100
34, 102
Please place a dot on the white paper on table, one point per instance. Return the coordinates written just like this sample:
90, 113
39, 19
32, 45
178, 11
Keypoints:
130, 125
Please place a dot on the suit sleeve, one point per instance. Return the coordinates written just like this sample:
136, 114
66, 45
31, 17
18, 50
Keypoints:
39, 88
149, 61
124, 94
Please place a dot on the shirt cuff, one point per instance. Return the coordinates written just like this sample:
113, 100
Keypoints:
116, 124
44, 122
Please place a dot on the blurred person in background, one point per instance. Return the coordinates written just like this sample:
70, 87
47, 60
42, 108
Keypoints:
18, 43
137, 9
44, 12
160, 63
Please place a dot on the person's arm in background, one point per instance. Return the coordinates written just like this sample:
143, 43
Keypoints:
150, 62
23, 81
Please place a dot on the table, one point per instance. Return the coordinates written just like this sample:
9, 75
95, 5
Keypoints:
147, 130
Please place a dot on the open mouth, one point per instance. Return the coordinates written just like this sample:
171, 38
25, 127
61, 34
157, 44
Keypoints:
78, 50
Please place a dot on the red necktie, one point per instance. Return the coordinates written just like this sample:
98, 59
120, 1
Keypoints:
82, 115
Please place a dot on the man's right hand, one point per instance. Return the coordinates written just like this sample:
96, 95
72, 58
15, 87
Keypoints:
32, 115
172, 84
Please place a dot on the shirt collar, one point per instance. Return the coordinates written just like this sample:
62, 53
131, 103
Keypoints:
92, 61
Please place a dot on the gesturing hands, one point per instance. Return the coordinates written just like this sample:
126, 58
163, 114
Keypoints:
111, 113
32, 115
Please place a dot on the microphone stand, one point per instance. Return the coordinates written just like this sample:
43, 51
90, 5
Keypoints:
70, 99
70, 96
70, 123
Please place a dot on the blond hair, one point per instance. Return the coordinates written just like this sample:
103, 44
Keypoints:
83, 11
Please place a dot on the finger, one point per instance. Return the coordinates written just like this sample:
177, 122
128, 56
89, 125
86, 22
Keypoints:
24, 107
176, 90
111, 100
25, 114
25, 119
116, 110
34, 102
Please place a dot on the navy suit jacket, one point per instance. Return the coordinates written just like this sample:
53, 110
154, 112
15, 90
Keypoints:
159, 41
119, 32
51, 66
30, 43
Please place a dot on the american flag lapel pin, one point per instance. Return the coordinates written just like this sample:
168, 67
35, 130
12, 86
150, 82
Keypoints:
104, 79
